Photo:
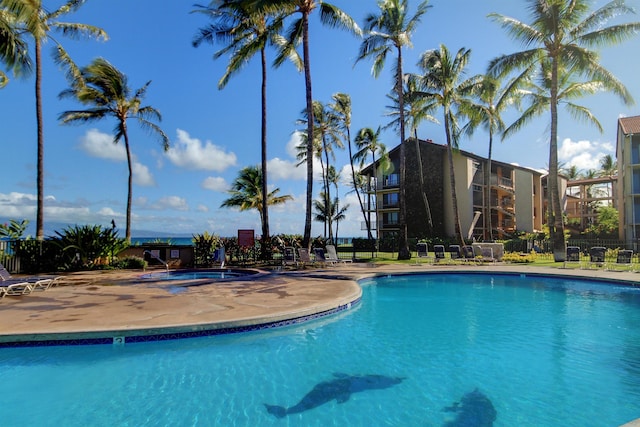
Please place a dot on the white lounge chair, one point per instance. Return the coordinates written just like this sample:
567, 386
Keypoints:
19, 288
332, 255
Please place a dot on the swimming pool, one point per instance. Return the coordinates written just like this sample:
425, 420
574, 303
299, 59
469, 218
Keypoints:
215, 274
435, 350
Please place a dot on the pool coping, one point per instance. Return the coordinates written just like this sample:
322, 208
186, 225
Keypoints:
309, 294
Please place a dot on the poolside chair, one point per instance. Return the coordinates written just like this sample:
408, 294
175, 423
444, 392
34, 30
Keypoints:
304, 257
289, 256
455, 254
4, 273
624, 259
40, 282
422, 251
439, 253
596, 256
321, 257
467, 254
18, 288
332, 255
573, 256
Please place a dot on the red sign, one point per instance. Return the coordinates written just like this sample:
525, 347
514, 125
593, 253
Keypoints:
246, 238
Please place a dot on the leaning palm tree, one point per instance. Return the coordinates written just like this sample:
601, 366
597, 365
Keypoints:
245, 32
246, 192
441, 84
297, 33
13, 49
388, 31
564, 34
368, 142
34, 19
106, 93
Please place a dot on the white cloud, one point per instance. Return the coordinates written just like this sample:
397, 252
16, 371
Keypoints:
282, 169
202, 208
191, 153
141, 175
170, 203
100, 145
584, 154
215, 183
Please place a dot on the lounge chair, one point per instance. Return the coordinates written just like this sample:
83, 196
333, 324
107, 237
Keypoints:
304, 257
289, 256
596, 256
439, 253
332, 255
321, 257
573, 256
39, 283
422, 251
18, 288
4, 273
468, 254
624, 259
455, 254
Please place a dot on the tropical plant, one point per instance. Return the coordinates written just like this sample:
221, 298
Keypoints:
368, 142
297, 33
246, 192
204, 246
246, 31
34, 19
13, 230
85, 246
13, 49
105, 90
608, 166
442, 85
329, 213
391, 30
560, 42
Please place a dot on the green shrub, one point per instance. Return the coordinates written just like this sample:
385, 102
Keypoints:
130, 263
519, 258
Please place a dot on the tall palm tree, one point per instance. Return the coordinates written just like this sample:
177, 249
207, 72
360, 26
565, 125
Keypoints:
246, 32
608, 166
13, 49
442, 85
246, 192
368, 142
106, 93
341, 107
564, 34
391, 30
297, 33
34, 19
415, 112
493, 100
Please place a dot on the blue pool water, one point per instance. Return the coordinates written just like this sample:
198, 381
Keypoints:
215, 274
430, 350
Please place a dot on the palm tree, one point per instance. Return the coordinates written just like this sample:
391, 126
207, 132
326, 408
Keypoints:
368, 142
385, 32
563, 34
341, 108
442, 86
106, 93
35, 20
13, 49
246, 33
246, 192
414, 114
608, 166
298, 33
487, 113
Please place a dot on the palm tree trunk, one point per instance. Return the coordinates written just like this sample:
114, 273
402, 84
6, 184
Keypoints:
555, 222
264, 213
129, 184
403, 250
326, 188
452, 175
355, 186
306, 239
487, 174
423, 191
40, 136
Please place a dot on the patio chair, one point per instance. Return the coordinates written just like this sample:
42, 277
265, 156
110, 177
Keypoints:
468, 255
289, 256
422, 251
321, 258
332, 255
304, 257
439, 253
19, 288
624, 259
39, 282
573, 256
4, 273
596, 256
455, 254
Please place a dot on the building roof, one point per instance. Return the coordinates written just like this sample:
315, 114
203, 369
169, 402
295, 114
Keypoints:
629, 125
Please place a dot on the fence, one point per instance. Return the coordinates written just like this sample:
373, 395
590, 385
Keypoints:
8, 257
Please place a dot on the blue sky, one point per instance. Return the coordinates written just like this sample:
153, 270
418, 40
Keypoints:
214, 133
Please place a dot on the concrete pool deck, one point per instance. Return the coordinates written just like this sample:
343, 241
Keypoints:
120, 304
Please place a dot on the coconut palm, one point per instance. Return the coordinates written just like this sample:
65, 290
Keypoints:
13, 49
368, 142
441, 84
563, 34
246, 32
246, 192
35, 20
493, 100
106, 93
390, 30
414, 114
297, 33
608, 166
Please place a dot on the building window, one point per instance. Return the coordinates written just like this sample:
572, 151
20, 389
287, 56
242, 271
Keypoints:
390, 218
390, 200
